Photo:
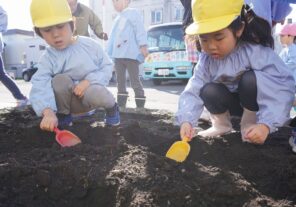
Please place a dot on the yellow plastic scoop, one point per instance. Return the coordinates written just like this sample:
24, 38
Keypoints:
179, 150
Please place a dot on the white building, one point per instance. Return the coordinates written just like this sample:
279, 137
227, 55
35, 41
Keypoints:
154, 11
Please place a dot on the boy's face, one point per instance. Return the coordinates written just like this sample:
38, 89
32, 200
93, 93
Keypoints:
120, 5
58, 36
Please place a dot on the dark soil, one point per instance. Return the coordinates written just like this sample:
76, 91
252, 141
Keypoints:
126, 166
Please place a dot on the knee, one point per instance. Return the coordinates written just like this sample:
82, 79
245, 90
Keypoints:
61, 82
210, 90
248, 79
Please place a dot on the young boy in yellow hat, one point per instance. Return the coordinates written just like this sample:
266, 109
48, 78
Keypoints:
238, 74
73, 71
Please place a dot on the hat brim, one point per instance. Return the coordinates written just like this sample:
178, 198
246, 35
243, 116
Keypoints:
52, 21
210, 25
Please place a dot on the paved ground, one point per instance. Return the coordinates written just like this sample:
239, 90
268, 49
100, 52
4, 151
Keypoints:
158, 97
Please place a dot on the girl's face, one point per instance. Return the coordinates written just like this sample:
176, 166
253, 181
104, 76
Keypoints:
221, 43
120, 5
58, 36
286, 40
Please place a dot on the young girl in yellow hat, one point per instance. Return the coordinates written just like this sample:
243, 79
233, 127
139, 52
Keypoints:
73, 71
238, 73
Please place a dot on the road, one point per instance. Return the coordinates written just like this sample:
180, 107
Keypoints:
158, 97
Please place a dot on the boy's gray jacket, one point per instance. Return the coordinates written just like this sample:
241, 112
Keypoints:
85, 17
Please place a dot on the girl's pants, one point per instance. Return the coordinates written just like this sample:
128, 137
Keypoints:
9, 83
95, 96
132, 66
218, 99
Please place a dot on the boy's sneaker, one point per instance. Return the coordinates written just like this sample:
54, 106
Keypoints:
292, 142
112, 117
83, 115
64, 120
20, 103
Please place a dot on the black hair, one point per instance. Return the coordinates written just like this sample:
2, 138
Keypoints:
257, 30
37, 30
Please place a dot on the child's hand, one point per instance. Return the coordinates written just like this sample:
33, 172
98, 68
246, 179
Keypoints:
186, 130
257, 133
49, 120
144, 51
80, 88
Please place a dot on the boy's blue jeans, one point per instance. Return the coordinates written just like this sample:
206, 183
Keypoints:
9, 83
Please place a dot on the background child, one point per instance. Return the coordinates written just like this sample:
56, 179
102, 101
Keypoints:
4, 77
72, 72
288, 41
238, 73
288, 55
128, 47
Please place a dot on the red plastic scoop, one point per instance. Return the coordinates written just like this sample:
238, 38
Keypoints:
66, 138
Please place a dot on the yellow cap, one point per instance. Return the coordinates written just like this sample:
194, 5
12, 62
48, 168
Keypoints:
45, 13
213, 15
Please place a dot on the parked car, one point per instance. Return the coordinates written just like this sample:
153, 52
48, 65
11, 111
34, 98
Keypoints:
29, 72
167, 59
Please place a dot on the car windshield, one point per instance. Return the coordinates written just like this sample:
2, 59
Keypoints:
166, 39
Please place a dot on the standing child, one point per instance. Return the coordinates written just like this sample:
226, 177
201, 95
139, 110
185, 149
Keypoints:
73, 72
288, 41
127, 46
4, 78
238, 73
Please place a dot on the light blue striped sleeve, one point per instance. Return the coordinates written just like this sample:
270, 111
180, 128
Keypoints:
190, 104
41, 94
275, 87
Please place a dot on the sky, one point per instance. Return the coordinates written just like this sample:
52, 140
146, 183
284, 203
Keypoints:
19, 15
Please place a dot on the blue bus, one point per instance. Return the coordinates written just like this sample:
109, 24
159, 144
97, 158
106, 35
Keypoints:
167, 59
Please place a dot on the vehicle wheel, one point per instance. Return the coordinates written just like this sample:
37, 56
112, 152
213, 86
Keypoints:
156, 82
26, 77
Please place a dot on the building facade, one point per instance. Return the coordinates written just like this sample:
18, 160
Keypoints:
153, 11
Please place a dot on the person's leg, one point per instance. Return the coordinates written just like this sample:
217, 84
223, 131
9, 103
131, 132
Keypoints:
63, 90
95, 96
9, 83
133, 71
247, 90
122, 94
218, 100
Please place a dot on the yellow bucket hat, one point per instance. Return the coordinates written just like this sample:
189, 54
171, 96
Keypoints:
45, 13
213, 15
